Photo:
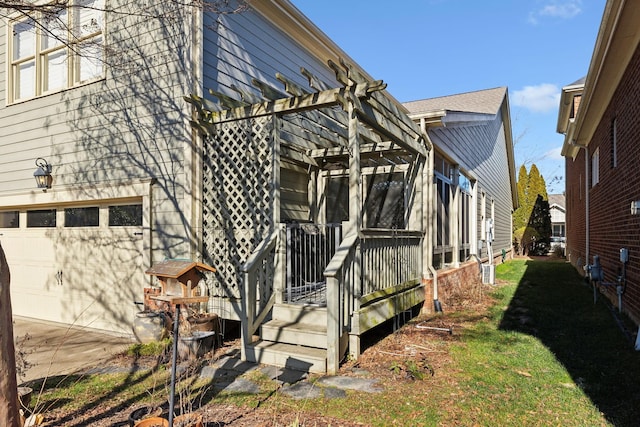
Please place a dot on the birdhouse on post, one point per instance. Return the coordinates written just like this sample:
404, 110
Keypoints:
179, 281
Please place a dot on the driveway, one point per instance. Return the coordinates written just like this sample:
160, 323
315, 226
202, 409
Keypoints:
55, 349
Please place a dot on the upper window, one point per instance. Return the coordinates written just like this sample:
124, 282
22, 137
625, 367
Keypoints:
55, 51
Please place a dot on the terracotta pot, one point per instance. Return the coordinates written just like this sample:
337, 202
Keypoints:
144, 413
188, 420
205, 322
153, 422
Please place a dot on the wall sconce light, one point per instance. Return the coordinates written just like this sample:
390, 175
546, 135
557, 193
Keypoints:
43, 174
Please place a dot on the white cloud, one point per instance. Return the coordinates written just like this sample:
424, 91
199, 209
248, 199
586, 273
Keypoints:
560, 9
542, 98
554, 154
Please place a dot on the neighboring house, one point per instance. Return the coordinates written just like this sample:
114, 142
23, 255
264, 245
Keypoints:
474, 173
298, 178
599, 118
557, 211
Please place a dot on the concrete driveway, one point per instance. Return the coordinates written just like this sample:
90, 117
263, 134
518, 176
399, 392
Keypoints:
55, 349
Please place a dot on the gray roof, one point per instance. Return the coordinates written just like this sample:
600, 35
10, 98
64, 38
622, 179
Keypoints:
556, 199
486, 101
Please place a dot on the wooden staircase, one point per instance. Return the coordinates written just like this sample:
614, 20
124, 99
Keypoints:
295, 337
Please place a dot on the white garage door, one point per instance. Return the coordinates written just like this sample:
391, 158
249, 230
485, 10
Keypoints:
80, 265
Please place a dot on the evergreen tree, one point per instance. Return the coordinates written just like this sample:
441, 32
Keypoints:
537, 185
532, 219
522, 214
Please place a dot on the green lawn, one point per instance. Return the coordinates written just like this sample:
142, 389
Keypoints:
543, 354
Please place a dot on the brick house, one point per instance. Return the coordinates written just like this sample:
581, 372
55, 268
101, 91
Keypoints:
601, 150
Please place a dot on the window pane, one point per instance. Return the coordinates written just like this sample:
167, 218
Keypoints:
384, 205
90, 61
24, 80
10, 219
41, 218
127, 215
55, 70
337, 199
81, 217
55, 30
24, 39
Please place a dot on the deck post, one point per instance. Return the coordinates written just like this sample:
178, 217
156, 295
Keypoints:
249, 312
333, 325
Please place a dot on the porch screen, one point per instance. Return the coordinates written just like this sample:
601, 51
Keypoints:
385, 204
337, 199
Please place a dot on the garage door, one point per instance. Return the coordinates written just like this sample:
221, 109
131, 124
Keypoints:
80, 265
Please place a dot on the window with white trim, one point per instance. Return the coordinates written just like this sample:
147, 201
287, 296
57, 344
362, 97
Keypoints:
466, 205
57, 50
595, 167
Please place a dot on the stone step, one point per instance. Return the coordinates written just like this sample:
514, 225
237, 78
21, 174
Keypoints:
297, 357
307, 334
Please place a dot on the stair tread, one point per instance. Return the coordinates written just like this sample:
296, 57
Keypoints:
299, 326
311, 352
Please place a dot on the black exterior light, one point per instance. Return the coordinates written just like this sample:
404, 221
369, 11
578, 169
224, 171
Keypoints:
43, 174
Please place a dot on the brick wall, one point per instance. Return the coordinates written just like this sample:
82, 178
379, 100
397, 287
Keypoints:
611, 225
575, 210
457, 287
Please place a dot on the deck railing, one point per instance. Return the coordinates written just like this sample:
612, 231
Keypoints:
259, 277
361, 264
389, 258
342, 276
310, 247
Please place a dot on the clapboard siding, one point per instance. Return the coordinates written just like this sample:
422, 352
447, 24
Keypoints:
246, 46
481, 149
127, 127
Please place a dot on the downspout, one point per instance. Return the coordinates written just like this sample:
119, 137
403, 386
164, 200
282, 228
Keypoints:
436, 303
428, 224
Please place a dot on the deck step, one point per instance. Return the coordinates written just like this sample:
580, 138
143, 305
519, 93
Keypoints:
297, 357
294, 313
307, 334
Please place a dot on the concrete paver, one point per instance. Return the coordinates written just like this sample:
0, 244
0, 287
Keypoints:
55, 349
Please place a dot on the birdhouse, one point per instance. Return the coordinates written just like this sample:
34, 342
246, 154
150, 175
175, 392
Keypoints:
179, 280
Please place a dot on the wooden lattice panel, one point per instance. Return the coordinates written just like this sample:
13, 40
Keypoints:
238, 195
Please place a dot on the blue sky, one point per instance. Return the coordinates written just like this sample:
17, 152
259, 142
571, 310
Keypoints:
430, 48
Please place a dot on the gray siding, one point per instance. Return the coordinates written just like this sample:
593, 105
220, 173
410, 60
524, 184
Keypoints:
127, 127
481, 150
247, 46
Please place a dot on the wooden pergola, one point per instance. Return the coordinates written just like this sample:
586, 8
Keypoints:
315, 127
